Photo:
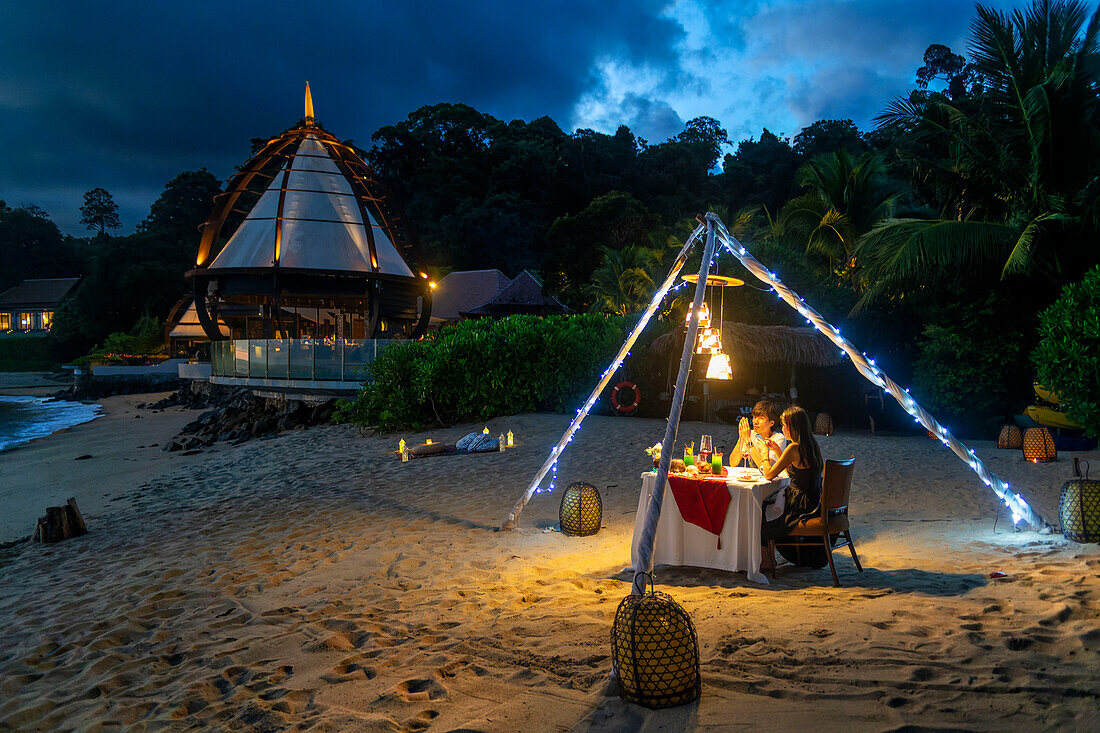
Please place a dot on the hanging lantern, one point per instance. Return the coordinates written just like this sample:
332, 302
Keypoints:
823, 425
710, 342
1038, 446
1079, 509
704, 315
581, 510
719, 367
1010, 437
656, 651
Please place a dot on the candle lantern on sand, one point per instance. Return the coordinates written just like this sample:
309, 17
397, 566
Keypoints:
1079, 509
581, 510
1010, 437
1039, 446
656, 651
823, 425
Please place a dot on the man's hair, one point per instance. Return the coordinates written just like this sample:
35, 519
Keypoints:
767, 408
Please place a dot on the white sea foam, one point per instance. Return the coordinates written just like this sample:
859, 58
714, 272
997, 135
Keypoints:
25, 418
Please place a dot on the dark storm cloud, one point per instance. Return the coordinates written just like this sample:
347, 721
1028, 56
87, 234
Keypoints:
847, 93
652, 120
125, 95
848, 58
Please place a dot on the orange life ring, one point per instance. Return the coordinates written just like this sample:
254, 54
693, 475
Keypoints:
635, 398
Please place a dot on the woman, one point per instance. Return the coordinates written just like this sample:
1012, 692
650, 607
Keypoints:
802, 461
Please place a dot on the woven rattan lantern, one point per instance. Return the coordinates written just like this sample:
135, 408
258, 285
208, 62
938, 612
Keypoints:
1039, 445
1010, 437
656, 651
581, 510
823, 425
1079, 509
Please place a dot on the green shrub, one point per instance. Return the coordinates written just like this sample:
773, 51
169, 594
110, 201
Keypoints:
25, 353
145, 338
476, 370
1067, 359
968, 366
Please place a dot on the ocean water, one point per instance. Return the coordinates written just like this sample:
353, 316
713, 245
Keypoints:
27, 418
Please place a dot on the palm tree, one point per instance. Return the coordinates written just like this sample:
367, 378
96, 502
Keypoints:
844, 197
624, 282
1020, 174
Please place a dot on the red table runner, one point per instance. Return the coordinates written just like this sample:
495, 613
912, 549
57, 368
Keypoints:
702, 502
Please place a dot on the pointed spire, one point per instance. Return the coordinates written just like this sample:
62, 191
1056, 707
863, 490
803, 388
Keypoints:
309, 106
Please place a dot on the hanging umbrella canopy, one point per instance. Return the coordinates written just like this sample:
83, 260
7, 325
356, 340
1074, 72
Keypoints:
748, 343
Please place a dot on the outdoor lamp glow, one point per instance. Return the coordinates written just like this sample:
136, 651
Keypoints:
718, 369
709, 342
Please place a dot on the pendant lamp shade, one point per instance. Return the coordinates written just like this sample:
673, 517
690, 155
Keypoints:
719, 367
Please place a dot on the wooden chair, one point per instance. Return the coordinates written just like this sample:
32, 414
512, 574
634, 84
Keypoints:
836, 487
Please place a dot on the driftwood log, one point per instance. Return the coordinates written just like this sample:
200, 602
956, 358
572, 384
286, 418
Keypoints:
60, 523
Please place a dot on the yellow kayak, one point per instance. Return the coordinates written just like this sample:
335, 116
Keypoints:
1046, 394
1050, 417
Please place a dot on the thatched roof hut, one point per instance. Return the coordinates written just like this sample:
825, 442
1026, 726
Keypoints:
797, 346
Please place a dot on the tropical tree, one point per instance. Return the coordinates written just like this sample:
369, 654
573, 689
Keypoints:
32, 246
613, 220
828, 136
625, 281
99, 211
1018, 183
844, 197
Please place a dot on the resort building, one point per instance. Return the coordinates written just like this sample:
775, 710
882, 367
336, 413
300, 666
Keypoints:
30, 305
184, 334
304, 261
490, 293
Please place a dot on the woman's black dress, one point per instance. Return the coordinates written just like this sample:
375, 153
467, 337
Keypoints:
803, 499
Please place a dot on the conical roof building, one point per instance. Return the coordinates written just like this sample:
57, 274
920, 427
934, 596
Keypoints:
305, 225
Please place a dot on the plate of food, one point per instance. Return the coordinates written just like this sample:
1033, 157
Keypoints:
746, 474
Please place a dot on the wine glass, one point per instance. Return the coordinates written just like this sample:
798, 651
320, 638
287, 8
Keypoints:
706, 447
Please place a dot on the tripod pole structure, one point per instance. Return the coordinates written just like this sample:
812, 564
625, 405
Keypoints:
653, 509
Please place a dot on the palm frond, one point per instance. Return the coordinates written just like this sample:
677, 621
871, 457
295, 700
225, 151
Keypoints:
904, 255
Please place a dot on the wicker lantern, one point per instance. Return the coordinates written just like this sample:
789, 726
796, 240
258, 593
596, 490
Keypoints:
1079, 509
581, 510
656, 651
1010, 437
1039, 445
823, 425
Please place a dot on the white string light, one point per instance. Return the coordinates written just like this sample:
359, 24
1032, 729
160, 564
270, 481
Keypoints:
1019, 508
551, 463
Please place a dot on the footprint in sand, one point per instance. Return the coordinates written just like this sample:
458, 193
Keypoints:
1058, 617
418, 690
348, 670
421, 721
923, 674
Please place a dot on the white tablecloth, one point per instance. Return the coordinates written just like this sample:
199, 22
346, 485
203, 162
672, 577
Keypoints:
680, 543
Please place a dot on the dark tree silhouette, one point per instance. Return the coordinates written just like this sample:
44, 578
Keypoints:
99, 211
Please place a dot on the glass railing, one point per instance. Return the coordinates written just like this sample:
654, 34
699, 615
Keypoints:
313, 359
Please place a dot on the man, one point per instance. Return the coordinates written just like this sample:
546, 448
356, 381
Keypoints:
761, 441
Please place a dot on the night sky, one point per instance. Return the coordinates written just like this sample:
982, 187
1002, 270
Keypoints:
125, 95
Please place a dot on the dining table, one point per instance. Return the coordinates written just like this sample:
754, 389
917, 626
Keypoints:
710, 522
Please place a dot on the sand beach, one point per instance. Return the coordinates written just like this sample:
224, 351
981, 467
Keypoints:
312, 581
